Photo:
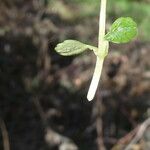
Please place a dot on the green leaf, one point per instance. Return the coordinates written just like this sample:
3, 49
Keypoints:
122, 30
72, 47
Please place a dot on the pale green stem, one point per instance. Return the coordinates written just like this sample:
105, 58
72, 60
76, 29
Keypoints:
101, 47
95, 79
102, 22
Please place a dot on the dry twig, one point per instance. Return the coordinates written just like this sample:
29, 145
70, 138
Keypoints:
5, 136
139, 134
99, 122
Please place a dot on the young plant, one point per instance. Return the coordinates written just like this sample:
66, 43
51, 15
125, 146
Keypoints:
122, 30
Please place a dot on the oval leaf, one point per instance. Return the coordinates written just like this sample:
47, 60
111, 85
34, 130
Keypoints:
72, 47
122, 30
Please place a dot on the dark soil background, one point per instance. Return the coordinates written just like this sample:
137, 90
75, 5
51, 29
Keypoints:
43, 101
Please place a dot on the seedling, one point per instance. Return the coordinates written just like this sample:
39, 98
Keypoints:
123, 30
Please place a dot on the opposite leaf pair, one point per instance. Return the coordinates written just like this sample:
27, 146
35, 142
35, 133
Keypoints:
122, 30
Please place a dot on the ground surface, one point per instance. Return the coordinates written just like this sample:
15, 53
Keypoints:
43, 95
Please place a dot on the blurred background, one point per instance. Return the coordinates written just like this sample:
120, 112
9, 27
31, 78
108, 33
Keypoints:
43, 103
